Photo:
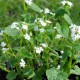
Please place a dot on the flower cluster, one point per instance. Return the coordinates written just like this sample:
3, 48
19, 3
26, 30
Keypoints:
58, 67
24, 26
27, 36
3, 44
29, 2
38, 49
41, 21
75, 32
58, 36
41, 30
66, 2
47, 11
14, 25
22, 63
4, 49
44, 44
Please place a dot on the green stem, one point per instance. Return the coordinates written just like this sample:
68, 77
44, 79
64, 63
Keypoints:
70, 65
4, 69
8, 43
24, 10
53, 50
21, 38
9, 47
47, 63
24, 6
13, 55
21, 41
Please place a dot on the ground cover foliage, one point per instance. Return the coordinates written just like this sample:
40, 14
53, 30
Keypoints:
39, 42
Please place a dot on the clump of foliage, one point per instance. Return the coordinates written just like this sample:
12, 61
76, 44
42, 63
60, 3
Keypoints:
42, 47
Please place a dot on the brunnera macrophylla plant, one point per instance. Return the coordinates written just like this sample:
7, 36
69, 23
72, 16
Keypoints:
47, 49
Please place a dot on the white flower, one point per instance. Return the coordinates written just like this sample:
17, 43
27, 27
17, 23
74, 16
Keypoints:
24, 26
46, 10
78, 29
38, 19
66, 2
38, 49
62, 52
3, 44
41, 11
36, 28
72, 26
1, 32
69, 3
55, 27
44, 45
14, 25
41, 30
47, 21
60, 57
27, 37
58, 36
17, 28
4, 49
22, 63
29, 2
58, 67
43, 23
75, 32
77, 36
52, 13
30, 33
63, 2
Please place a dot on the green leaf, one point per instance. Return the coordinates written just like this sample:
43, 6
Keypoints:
77, 56
29, 72
67, 53
60, 12
55, 74
67, 18
62, 76
45, 55
77, 47
11, 75
35, 8
58, 28
75, 70
62, 29
26, 54
13, 61
65, 30
11, 32
39, 73
51, 73
37, 76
